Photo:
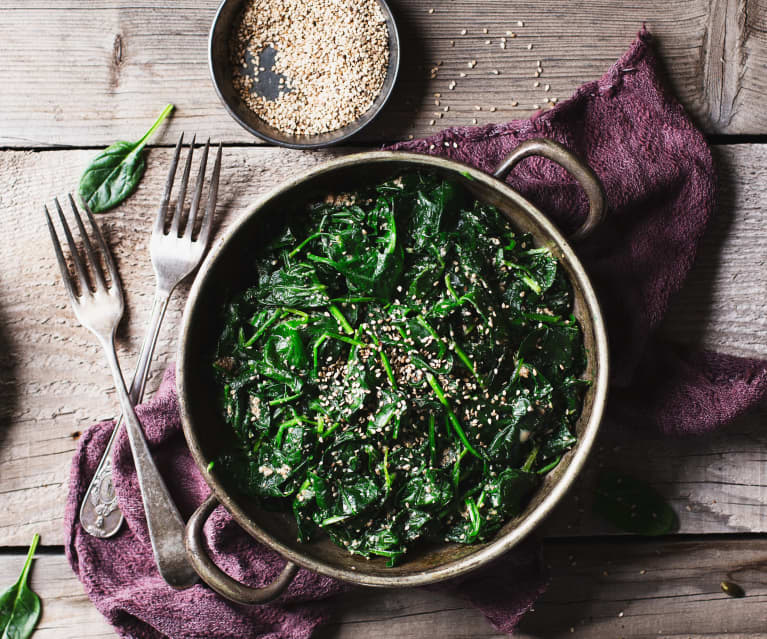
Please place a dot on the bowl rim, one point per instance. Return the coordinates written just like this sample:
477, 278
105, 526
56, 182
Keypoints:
498, 546
393, 67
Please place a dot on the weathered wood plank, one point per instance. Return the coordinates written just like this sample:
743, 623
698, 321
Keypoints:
599, 589
54, 383
91, 73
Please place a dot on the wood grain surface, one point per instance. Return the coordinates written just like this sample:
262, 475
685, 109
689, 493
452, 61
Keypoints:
80, 73
54, 381
76, 75
602, 588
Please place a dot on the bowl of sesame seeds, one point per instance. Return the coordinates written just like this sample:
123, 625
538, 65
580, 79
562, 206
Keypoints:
209, 423
304, 74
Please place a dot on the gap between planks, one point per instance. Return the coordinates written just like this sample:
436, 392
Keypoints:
133, 58
54, 383
605, 589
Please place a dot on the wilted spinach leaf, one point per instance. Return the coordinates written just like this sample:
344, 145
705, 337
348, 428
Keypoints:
403, 368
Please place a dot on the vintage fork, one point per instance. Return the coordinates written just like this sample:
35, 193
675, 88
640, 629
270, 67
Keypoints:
174, 256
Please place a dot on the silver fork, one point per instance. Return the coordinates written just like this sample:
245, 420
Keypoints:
100, 309
174, 256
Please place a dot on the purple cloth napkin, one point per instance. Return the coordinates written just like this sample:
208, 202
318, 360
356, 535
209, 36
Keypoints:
659, 179
120, 577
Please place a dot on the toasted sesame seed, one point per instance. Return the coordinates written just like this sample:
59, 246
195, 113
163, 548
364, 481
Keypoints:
331, 70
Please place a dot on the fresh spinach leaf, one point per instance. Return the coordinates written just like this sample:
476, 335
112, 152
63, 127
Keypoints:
115, 172
19, 605
632, 505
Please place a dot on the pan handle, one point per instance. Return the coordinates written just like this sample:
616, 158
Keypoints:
216, 578
574, 165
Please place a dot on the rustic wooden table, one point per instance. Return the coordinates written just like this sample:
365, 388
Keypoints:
76, 75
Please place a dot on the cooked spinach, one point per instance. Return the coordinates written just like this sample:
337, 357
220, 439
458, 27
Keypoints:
404, 368
19, 605
115, 172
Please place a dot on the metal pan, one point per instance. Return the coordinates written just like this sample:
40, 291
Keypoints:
207, 435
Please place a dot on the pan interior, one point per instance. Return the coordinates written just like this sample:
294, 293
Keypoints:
208, 435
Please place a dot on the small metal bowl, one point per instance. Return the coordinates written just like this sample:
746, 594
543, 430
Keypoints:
221, 73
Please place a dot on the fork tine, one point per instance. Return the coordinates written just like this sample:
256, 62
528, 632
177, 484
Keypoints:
197, 193
79, 266
159, 223
95, 266
111, 268
174, 226
207, 221
65, 275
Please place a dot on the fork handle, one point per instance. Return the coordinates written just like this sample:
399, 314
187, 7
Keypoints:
166, 527
100, 514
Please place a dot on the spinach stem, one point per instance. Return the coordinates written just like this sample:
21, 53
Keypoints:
531, 459
28, 563
261, 330
284, 400
304, 243
387, 477
468, 363
474, 517
432, 441
434, 383
341, 319
154, 127
387, 368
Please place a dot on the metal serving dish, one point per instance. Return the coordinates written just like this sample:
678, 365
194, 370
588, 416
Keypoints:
208, 435
221, 74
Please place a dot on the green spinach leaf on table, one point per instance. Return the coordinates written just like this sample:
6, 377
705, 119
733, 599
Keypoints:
19, 605
115, 172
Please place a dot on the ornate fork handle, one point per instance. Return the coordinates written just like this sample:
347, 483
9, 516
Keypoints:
100, 515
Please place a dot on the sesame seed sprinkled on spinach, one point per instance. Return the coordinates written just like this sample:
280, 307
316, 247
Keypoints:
405, 368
